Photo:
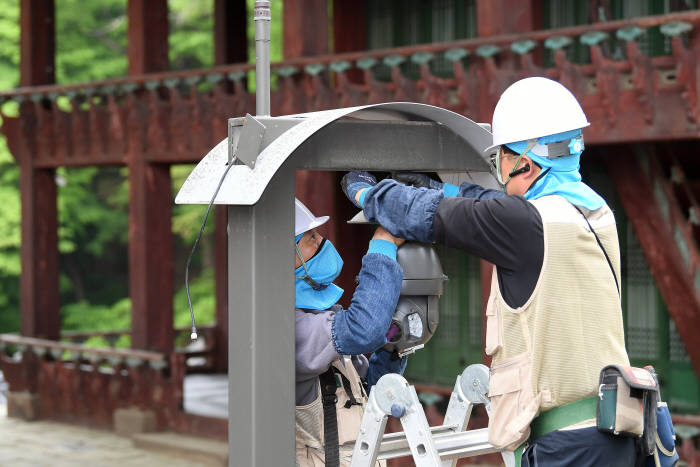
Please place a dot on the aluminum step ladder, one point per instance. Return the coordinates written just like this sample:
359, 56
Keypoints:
429, 446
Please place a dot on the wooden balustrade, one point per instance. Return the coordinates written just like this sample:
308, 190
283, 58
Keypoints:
107, 378
627, 94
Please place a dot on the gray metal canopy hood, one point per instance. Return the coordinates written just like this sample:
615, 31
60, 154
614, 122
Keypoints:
390, 136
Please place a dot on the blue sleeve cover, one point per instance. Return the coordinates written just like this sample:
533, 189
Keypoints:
384, 247
380, 363
450, 190
363, 326
471, 190
405, 211
363, 195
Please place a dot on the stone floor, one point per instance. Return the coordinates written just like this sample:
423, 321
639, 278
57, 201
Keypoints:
42, 443
45, 443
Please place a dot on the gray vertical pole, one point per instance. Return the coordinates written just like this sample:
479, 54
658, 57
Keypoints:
261, 327
262, 57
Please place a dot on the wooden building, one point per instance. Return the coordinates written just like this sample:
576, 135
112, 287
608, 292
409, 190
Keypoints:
633, 65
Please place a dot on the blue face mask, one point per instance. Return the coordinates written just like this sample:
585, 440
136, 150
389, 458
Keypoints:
314, 279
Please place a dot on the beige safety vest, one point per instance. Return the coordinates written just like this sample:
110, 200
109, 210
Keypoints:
550, 351
309, 421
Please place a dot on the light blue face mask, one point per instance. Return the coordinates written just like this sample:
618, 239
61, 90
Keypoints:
314, 278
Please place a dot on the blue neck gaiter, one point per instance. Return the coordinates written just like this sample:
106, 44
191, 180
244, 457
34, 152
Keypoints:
562, 177
324, 267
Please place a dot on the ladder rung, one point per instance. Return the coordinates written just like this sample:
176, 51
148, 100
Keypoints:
450, 445
396, 442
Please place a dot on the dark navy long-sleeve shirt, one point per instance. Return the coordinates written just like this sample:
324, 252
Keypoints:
505, 230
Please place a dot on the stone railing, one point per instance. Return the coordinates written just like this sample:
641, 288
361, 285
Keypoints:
177, 116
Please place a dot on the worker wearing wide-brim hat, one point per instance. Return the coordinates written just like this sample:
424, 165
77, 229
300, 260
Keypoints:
554, 318
332, 373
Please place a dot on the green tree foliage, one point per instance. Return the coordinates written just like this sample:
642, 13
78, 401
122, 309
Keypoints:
91, 45
9, 176
90, 40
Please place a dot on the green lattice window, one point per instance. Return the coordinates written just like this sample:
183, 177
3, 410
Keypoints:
650, 334
395, 23
562, 13
458, 340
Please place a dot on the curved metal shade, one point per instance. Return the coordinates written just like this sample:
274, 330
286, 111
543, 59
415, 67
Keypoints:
390, 136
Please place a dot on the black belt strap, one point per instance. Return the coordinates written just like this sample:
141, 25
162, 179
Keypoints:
330, 419
348, 390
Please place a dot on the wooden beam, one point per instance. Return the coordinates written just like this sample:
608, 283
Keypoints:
495, 17
655, 236
150, 256
39, 295
147, 36
306, 34
150, 197
305, 28
230, 38
230, 46
350, 31
37, 42
349, 26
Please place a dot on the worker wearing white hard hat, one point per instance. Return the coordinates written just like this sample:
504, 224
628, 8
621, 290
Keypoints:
553, 317
332, 373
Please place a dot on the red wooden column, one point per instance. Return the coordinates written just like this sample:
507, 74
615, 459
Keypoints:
349, 25
39, 295
150, 197
495, 17
230, 46
305, 31
350, 30
349, 35
305, 28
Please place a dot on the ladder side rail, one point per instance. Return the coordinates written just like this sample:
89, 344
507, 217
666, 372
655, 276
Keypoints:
370, 436
418, 434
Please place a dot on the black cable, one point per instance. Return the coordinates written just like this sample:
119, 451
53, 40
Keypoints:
193, 334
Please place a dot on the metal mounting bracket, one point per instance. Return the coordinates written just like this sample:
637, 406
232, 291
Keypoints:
250, 140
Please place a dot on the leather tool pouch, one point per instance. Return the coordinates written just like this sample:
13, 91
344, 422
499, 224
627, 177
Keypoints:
627, 403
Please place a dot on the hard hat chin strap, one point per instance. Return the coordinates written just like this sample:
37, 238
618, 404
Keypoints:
515, 171
306, 277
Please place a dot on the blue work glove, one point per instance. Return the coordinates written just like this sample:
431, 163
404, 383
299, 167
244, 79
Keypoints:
420, 180
355, 181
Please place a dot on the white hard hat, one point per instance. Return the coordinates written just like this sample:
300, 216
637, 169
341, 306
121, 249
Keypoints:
532, 108
304, 220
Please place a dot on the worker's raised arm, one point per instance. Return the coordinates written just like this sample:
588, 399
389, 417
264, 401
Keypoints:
363, 326
506, 231
405, 211
465, 190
